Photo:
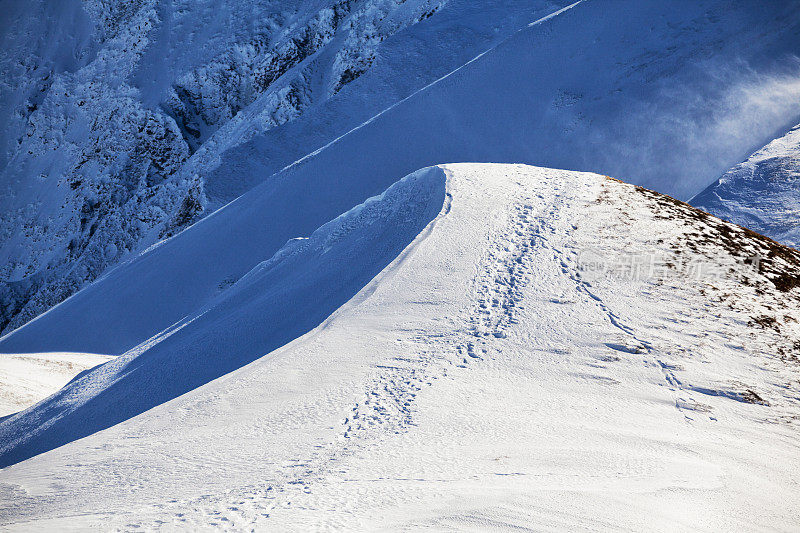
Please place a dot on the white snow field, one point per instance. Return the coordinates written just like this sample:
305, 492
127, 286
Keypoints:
485, 347
763, 192
28, 378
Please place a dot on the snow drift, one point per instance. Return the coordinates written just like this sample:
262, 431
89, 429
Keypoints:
279, 300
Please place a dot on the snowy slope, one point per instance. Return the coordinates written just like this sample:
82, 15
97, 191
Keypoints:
660, 96
152, 114
689, 98
763, 192
26, 379
277, 301
540, 348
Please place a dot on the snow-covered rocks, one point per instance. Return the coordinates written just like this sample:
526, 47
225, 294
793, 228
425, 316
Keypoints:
763, 192
518, 346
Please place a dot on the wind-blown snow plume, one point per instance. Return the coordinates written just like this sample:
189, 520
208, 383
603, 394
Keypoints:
712, 120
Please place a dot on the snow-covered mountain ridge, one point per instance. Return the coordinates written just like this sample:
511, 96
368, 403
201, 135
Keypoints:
763, 192
129, 121
629, 361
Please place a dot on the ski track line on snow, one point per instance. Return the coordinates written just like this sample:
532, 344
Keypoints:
631, 343
660, 351
582, 286
555, 14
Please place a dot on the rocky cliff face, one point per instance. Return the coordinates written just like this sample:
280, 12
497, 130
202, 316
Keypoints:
90, 177
341, 40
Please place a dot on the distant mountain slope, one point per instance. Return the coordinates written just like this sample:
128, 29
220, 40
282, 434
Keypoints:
113, 111
763, 192
554, 348
571, 91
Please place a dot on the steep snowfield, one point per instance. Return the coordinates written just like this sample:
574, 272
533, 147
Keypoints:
642, 90
26, 379
277, 301
519, 347
763, 192
129, 121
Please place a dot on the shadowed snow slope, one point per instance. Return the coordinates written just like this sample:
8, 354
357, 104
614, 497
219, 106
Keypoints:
557, 349
641, 90
114, 114
762, 193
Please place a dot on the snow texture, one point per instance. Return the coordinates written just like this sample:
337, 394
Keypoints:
26, 379
223, 306
571, 91
466, 365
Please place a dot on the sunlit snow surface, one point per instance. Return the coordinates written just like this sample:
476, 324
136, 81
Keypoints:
490, 376
28, 378
475, 346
